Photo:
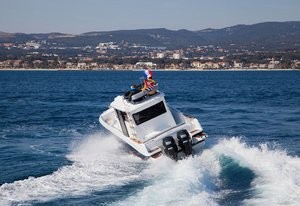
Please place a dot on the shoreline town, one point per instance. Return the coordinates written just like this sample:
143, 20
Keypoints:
180, 65
109, 69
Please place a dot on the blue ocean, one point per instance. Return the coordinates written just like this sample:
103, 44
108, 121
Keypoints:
53, 151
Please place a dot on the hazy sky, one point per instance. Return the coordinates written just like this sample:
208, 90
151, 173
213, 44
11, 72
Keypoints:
79, 16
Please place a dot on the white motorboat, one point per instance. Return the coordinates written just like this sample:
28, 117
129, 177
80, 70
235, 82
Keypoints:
151, 127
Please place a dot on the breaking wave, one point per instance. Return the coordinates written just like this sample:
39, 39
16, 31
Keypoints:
277, 175
100, 163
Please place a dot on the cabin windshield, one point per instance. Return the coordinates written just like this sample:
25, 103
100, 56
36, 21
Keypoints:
149, 113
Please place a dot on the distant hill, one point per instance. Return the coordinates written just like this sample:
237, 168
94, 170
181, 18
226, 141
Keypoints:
270, 35
150, 37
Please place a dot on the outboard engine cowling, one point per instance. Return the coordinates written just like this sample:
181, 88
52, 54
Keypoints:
184, 141
170, 147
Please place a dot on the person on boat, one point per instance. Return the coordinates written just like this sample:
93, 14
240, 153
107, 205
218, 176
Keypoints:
133, 90
149, 82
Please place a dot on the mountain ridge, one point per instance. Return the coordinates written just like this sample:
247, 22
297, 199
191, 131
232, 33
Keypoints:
266, 34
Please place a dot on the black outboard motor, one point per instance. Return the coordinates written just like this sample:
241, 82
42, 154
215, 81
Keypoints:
184, 141
170, 147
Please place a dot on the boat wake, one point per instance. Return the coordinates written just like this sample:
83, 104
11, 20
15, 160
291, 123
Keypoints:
261, 175
98, 163
276, 175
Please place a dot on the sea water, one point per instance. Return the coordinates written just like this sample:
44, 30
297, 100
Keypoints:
53, 151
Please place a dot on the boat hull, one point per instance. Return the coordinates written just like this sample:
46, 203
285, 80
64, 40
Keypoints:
153, 128
141, 150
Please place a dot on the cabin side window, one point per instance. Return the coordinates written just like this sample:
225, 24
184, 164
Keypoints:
122, 116
149, 113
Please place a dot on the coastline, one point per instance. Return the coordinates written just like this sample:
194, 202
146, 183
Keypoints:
107, 69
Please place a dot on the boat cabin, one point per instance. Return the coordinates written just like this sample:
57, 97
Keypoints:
145, 119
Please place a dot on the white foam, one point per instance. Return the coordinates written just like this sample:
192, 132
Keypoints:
98, 164
187, 182
277, 179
